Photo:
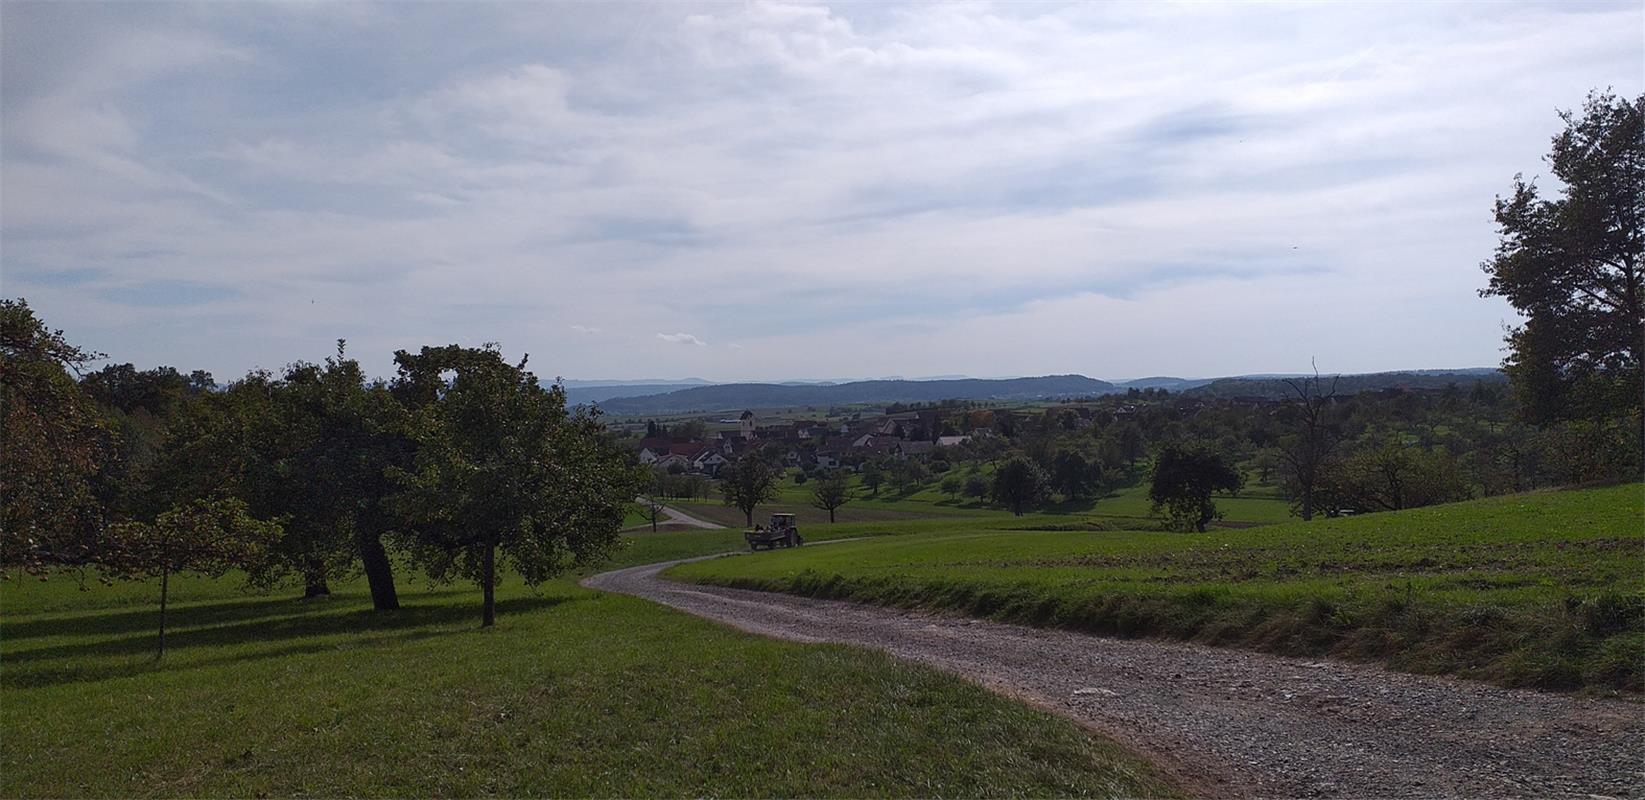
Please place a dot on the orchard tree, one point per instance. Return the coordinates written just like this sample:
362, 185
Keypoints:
503, 470
650, 506
331, 443
53, 446
1574, 268
1075, 477
1184, 480
748, 482
952, 485
907, 475
829, 492
1307, 449
1395, 476
205, 537
873, 476
1019, 484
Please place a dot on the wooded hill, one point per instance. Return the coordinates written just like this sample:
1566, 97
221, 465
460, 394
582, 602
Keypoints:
734, 396
731, 396
1276, 388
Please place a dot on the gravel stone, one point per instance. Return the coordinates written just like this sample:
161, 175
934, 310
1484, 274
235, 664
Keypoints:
1231, 722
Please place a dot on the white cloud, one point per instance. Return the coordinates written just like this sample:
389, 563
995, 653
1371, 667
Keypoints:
918, 189
682, 338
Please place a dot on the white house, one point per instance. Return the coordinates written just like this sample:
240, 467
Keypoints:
709, 461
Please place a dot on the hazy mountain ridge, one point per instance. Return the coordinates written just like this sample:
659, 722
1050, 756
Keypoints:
730, 396
638, 397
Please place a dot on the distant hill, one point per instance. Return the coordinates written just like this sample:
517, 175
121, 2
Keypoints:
1351, 384
1168, 384
584, 392
732, 396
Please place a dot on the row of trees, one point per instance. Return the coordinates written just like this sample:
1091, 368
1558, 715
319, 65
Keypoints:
461, 465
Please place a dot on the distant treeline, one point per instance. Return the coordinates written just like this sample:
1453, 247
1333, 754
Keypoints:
735, 396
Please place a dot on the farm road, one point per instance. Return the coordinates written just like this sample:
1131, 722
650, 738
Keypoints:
677, 517
1231, 722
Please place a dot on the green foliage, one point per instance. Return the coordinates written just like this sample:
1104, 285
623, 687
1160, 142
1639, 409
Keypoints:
1073, 476
54, 446
907, 474
1183, 481
977, 486
1019, 484
829, 492
206, 538
873, 476
748, 482
1538, 589
1393, 477
502, 467
1574, 267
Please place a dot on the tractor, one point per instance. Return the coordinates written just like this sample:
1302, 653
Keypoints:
780, 533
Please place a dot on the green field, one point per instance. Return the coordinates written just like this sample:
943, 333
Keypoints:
1543, 589
1126, 506
574, 692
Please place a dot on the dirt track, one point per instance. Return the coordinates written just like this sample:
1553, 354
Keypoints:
1230, 722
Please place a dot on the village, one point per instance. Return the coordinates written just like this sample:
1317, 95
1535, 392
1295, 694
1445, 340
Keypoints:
806, 445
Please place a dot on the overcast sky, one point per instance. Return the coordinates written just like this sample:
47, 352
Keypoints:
766, 191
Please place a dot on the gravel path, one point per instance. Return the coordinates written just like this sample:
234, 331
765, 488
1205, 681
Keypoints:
1230, 722
676, 517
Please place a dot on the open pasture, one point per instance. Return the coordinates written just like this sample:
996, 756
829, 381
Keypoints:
1544, 589
574, 693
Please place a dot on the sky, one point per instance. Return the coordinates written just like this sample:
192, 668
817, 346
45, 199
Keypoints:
748, 191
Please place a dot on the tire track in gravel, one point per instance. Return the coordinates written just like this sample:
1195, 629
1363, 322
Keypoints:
1231, 722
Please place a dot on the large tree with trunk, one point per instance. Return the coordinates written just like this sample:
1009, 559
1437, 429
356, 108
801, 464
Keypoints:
830, 491
328, 444
1185, 478
1019, 484
503, 473
748, 482
1573, 266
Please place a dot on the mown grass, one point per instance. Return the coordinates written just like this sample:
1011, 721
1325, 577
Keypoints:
1544, 590
573, 693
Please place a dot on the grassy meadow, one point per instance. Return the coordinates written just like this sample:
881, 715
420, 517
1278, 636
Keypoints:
1126, 506
574, 692
1544, 589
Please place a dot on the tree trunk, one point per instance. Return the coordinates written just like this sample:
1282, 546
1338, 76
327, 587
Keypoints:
489, 584
1307, 502
379, 573
314, 579
165, 584
749, 513
831, 516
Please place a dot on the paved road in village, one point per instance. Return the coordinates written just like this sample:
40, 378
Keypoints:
1230, 722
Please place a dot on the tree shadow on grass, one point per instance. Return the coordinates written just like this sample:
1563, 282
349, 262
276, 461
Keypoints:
127, 654
130, 618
